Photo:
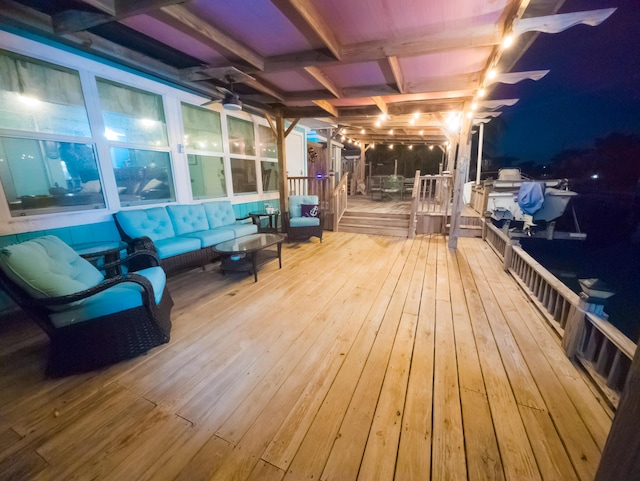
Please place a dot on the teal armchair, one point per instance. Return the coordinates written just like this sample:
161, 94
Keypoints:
304, 218
92, 321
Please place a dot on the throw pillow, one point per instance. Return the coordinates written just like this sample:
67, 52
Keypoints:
309, 210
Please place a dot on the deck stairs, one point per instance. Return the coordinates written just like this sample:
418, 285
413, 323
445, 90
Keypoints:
376, 223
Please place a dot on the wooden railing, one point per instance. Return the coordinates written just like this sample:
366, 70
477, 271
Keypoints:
320, 186
339, 200
434, 193
432, 203
480, 198
587, 336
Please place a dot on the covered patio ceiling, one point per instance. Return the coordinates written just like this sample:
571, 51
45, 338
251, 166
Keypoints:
425, 65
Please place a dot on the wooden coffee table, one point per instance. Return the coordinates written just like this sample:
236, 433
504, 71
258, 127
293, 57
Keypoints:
248, 252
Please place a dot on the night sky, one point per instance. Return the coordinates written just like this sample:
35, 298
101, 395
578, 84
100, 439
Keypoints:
593, 87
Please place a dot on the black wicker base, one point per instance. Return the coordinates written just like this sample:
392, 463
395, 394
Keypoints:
106, 340
188, 260
304, 232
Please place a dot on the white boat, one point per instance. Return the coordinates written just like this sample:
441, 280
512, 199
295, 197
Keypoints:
517, 198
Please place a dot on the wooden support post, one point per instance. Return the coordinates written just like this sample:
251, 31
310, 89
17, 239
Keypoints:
508, 253
283, 186
574, 328
621, 455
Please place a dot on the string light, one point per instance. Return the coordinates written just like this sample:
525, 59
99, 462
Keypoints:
507, 41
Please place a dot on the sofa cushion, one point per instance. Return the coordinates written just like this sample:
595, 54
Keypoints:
120, 297
47, 267
296, 201
240, 229
176, 246
187, 218
219, 213
304, 221
154, 223
212, 237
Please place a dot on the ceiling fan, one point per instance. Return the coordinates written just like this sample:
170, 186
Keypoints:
231, 100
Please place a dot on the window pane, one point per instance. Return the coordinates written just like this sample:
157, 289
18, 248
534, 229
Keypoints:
243, 174
269, 176
207, 176
41, 177
202, 130
40, 97
241, 138
143, 176
268, 144
132, 115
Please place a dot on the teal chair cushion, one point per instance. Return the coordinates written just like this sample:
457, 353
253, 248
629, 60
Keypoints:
154, 223
188, 218
304, 221
47, 267
295, 205
219, 213
126, 295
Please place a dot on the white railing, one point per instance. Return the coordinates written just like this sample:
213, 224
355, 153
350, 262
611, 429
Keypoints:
587, 337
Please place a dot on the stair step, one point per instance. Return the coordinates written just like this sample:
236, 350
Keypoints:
373, 229
382, 223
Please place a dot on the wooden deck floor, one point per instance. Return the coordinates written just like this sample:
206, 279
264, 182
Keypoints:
364, 357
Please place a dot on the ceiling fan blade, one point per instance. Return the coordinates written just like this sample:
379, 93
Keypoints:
212, 101
224, 90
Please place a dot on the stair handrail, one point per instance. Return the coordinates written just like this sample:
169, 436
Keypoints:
339, 200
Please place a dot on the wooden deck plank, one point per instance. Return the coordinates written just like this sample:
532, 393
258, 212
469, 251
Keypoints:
448, 456
516, 454
379, 460
261, 432
287, 440
414, 451
482, 452
576, 437
304, 373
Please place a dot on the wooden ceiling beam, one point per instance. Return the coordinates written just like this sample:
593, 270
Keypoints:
324, 105
180, 18
74, 20
394, 64
431, 42
323, 80
469, 81
306, 18
381, 104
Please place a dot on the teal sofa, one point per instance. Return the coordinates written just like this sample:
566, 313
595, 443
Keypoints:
182, 235
92, 321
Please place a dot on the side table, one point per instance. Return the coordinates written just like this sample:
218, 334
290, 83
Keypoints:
108, 251
272, 226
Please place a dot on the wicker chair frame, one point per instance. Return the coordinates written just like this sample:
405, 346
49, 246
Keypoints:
104, 340
303, 232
